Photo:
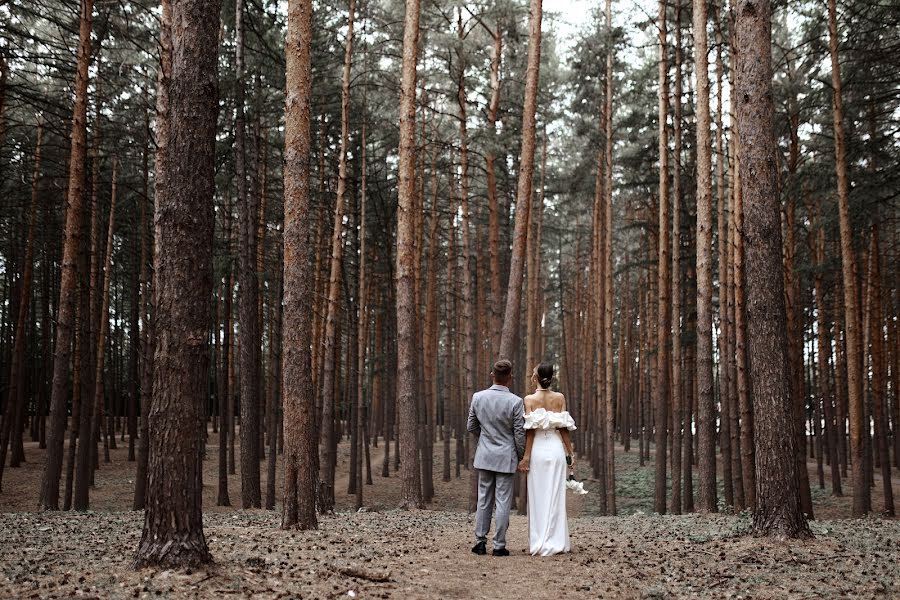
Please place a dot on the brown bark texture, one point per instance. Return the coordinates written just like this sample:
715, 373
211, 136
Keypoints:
173, 522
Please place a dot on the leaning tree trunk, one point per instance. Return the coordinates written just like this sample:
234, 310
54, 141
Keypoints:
524, 190
49, 499
173, 521
862, 499
778, 509
299, 404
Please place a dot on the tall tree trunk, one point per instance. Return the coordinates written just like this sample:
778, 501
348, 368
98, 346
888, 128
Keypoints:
824, 352
862, 500
609, 305
163, 79
173, 523
879, 372
362, 342
274, 390
778, 509
677, 396
299, 404
82, 490
664, 324
496, 323
16, 397
251, 496
49, 499
706, 430
745, 404
407, 370
327, 460
508, 341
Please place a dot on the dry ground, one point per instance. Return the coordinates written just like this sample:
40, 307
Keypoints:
384, 553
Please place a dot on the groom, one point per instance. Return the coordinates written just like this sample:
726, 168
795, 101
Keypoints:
496, 417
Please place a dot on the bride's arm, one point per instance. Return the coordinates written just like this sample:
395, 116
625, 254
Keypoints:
566, 437
526, 459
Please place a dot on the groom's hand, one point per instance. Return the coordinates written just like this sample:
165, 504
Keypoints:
524, 465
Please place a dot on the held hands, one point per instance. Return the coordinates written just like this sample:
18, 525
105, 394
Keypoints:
524, 465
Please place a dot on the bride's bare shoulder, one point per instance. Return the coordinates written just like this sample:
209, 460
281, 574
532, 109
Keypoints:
560, 400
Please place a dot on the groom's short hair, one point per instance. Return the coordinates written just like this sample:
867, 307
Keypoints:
502, 370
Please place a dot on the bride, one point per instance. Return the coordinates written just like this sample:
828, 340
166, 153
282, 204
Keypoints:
548, 447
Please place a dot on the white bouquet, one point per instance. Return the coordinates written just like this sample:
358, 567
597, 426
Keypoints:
576, 487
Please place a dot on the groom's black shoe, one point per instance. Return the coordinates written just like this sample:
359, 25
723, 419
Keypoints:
479, 549
500, 552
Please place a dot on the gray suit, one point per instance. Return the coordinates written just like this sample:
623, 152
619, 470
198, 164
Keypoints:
497, 418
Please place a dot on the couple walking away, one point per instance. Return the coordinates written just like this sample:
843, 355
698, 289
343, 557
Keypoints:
531, 436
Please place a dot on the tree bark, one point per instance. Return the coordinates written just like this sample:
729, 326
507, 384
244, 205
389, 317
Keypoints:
706, 430
778, 509
16, 397
609, 304
300, 439
862, 500
677, 396
508, 341
664, 323
173, 523
49, 498
879, 372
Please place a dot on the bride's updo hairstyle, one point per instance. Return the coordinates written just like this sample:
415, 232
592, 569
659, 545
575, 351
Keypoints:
545, 374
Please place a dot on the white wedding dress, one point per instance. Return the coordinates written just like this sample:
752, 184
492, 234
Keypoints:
548, 529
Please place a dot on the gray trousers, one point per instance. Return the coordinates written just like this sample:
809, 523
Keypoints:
494, 489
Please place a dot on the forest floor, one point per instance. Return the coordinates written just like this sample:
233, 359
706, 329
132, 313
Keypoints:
386, 553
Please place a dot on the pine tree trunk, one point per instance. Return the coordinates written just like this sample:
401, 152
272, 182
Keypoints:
16, 397
677, 399
824, 351
664, 323
173, 522
706, 429
778, 509
82, 490
362, 342
249, 289
862, 502
609, 304
407, 370
879, 372
49, 498
508, 341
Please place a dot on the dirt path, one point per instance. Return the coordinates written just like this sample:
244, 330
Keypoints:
385, 553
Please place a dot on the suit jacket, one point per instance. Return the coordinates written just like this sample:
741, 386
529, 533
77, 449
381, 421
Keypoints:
497, 418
